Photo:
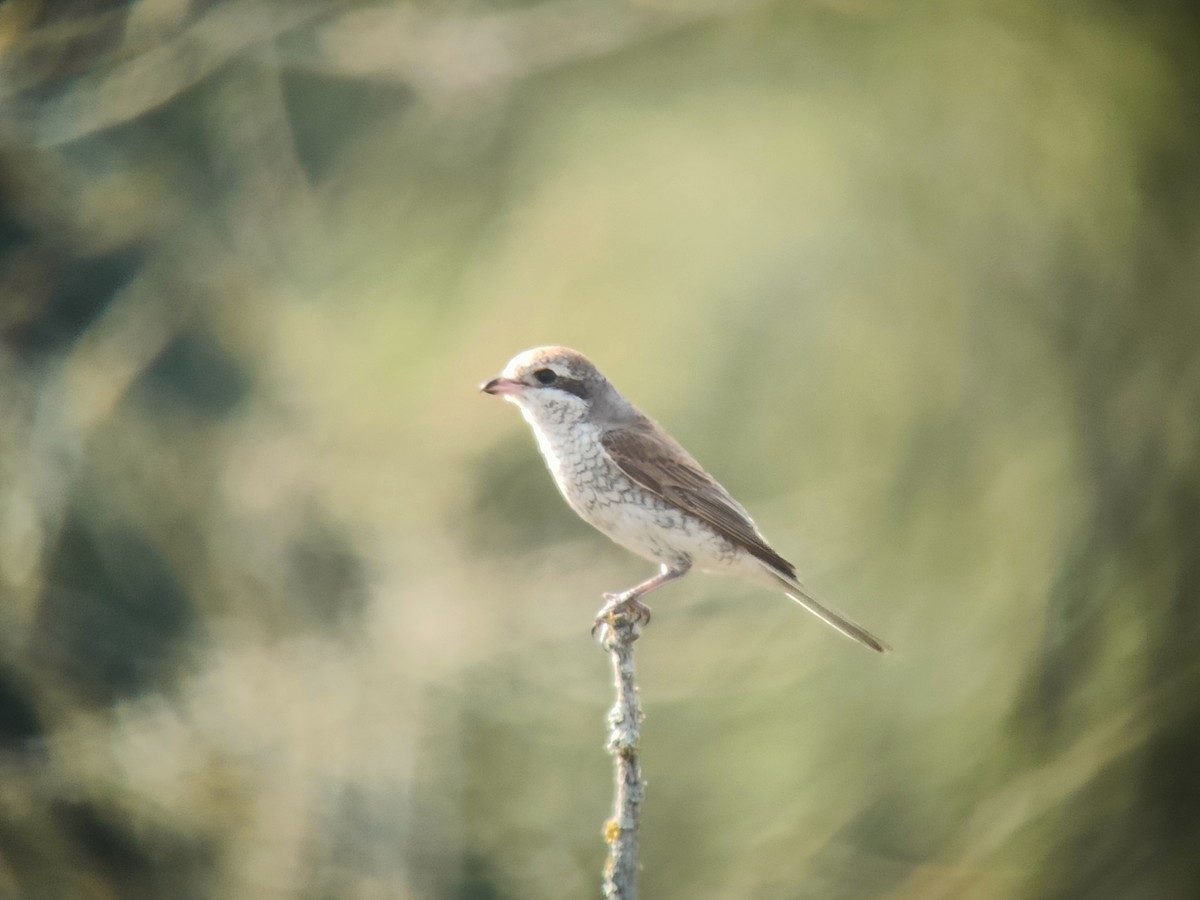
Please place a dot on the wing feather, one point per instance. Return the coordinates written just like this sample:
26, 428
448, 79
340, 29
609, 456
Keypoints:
657, 462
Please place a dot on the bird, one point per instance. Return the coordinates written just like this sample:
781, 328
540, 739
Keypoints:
622, 473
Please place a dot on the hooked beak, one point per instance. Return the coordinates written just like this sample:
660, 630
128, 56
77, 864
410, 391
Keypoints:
502, 386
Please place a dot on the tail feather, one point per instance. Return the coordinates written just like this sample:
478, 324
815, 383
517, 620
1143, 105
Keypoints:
831, 617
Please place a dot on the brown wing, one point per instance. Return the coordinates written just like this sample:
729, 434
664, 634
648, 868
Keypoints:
657, 462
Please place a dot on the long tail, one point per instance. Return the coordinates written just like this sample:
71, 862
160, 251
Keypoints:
850, 629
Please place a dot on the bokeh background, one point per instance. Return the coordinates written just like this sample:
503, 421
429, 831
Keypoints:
289, 610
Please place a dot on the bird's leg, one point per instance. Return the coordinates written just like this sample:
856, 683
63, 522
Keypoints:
629, 602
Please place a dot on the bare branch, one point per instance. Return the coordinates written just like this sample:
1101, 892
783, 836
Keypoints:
624, 720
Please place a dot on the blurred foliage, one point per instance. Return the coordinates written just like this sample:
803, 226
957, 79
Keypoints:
288, 610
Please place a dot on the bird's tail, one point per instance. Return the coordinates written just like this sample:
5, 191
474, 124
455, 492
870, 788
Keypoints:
832, 617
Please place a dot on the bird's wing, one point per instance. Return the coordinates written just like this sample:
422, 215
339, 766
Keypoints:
657, 462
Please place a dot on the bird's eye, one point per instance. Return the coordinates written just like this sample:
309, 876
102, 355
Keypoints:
545, 376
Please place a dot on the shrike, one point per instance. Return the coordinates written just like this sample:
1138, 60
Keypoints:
624, 475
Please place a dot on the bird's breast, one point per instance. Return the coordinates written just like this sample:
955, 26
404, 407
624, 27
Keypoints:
584, 473
609, 500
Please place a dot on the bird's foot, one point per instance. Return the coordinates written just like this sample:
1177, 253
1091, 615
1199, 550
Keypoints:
622, 605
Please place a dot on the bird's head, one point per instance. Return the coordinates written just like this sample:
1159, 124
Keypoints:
558, 386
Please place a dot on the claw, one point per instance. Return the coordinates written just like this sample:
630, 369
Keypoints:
622, 605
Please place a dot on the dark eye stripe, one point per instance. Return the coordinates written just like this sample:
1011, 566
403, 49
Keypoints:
571, 386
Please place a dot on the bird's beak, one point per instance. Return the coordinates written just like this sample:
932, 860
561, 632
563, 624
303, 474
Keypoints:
502, 386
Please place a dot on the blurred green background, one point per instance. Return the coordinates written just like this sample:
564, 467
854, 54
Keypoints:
288, 610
